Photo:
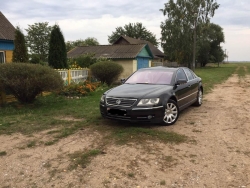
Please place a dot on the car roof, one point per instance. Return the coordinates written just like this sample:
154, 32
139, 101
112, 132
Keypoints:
172, 69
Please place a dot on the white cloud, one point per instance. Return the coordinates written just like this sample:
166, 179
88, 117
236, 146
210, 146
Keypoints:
80, 19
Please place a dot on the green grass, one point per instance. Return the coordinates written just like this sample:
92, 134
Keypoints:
48, 112
61, 117
124, 135
3, 153
31, 144
82, 159
51, 112
243, 70
212, 75
162, 182
131, 175
215, 75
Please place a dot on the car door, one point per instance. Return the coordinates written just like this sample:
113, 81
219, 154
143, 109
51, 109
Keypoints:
182, 90
193, 84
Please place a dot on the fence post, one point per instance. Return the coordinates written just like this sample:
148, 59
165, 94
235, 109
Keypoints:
2, 95
89, 75
69, 76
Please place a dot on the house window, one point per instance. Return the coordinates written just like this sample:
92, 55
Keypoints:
2, 57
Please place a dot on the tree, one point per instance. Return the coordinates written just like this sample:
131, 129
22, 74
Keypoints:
136, 30
209, 49
20, 53
184, 19
57, 49
82, 61
37, 38
90, 41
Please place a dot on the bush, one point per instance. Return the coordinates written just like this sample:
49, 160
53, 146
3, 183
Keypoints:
106, 71
34, 59
25, 81
83, 61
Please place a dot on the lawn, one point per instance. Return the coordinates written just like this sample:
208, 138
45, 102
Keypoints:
49, 113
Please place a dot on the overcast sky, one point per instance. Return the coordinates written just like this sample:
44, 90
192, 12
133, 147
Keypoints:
79, 19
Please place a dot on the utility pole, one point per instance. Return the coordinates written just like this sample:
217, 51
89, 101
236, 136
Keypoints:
194, 45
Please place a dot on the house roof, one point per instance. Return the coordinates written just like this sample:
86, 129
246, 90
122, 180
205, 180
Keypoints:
129, 51
156, 52
7, 30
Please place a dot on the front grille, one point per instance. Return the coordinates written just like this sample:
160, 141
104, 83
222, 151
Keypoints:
120, 102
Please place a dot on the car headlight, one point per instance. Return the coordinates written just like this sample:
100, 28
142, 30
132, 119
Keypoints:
148, 102
102, 98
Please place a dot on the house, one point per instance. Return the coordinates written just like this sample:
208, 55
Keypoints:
131, 56
158, 55
7, 36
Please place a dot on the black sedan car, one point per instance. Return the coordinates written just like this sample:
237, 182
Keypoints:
155, 94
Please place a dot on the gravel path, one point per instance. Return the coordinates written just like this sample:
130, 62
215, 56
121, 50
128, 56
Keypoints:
216, 155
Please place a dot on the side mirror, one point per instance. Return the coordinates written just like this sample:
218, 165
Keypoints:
181, 81
123, 80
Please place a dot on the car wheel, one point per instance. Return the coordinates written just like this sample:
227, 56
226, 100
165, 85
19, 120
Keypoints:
171, 113
199, 99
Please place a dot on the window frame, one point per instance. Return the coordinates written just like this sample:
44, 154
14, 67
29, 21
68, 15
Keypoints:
180, 69
3, 57
186, 70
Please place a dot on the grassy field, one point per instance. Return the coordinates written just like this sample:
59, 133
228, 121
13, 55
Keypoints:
49, 113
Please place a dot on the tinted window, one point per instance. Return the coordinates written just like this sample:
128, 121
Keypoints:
189, 74
181, 75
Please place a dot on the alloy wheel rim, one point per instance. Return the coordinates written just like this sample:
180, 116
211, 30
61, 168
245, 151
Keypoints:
200, 97
171, 113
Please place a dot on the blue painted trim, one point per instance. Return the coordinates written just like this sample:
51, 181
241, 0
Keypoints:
6, 45
148, 53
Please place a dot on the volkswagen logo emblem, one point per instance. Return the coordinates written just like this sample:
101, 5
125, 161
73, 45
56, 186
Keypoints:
118, 101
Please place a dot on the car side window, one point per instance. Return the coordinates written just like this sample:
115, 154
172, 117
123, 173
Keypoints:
181, 75
189, 74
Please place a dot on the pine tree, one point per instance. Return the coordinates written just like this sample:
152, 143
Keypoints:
20, 53
57, 49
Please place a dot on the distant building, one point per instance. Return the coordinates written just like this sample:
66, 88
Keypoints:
131, 56
158, 56
7, 36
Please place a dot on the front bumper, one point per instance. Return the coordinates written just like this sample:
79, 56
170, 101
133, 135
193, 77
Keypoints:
133, 114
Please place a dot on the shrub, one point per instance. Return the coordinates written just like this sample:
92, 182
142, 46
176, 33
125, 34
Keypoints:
82, 61
25, 81
106, 71
35, 59
79, 89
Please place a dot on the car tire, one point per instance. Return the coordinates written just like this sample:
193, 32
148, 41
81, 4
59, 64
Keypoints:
171, 113
199, 98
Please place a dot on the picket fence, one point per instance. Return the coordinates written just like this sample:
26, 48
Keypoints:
68, 76
74, 75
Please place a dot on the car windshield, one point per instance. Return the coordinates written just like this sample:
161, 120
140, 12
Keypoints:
150, 77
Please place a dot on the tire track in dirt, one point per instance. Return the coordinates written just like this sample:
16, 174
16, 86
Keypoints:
222, 143
216, 155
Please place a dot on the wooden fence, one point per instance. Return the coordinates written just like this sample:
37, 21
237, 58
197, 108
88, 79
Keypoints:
68, 76
74, 75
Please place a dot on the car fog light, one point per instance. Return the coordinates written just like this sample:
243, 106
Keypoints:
150, 117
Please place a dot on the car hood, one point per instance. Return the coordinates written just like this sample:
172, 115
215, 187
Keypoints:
138, 90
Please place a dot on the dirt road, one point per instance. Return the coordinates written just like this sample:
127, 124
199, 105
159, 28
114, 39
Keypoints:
217, 155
